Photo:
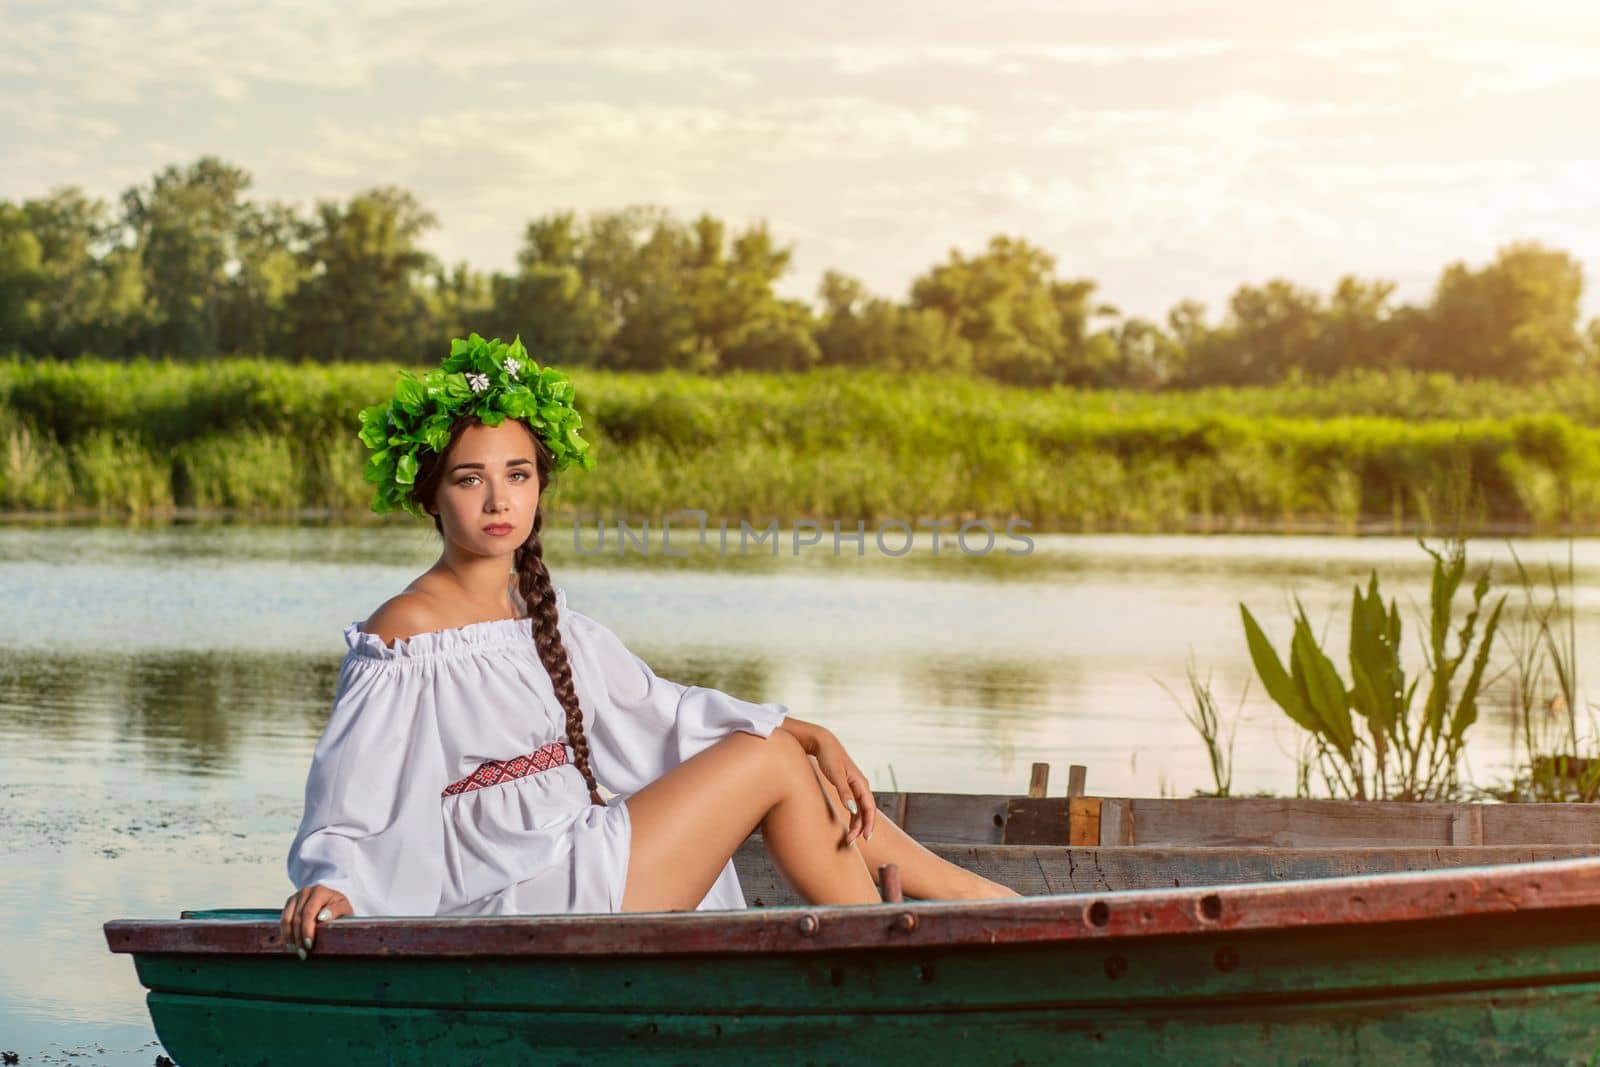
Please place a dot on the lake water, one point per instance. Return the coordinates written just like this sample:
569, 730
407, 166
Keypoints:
161, 690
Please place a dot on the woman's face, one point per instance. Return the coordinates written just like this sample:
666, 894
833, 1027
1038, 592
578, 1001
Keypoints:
490, 489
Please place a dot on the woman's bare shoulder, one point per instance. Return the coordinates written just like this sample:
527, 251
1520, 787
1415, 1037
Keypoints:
405, 616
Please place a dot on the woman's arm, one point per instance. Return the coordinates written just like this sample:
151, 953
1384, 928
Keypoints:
840, 770
641, 725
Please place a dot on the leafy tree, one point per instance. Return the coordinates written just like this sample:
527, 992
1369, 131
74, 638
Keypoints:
857, 329
1270, 330
460, 302
1516, 319
192, 268
686, 298
362, 296
634, 259
1146, 356
71, 287
187, 224
739, 322
780, 337
1362, 329
21, 278
548, 302
1022, 323
269, 266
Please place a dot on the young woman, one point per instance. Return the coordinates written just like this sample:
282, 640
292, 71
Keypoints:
477, 715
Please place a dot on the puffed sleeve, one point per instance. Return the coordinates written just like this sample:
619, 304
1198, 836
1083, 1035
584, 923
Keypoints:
373, 827
644, 725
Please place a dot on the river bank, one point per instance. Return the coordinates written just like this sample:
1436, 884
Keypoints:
1393, 455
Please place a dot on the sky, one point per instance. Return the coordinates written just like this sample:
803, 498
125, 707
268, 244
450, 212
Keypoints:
1168, 150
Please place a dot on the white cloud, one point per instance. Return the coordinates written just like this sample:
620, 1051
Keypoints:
1171, 148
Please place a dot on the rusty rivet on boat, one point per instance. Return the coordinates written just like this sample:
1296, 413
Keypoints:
808, 925
1211, 907
904, 923
1098, 913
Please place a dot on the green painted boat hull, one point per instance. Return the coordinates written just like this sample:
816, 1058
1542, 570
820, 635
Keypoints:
1507, 987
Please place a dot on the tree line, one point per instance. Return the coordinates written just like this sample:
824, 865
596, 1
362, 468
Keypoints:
189, 267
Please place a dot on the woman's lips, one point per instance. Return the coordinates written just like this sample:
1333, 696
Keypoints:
498, 529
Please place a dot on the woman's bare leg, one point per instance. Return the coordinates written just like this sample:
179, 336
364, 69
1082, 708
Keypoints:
922, 874
690, 820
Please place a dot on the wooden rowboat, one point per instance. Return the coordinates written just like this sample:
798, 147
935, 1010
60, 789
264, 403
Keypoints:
1249, 930
1496, 964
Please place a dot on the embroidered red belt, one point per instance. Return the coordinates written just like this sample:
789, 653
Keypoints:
496, 771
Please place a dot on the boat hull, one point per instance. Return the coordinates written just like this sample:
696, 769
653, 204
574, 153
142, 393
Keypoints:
1501, 986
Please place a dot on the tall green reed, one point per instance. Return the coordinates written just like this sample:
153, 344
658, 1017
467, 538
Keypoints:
1373, 739
1344, 455
1560, 754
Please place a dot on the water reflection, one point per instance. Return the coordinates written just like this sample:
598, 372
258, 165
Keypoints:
161, 688
980, 684
182, 712
747, 677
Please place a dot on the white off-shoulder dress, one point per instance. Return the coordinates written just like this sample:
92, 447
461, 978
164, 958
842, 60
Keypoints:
410, 720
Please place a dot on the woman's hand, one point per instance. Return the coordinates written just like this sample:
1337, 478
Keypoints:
838, 768
303, 910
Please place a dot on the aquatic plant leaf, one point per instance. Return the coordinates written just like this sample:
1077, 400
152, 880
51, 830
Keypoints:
1279, 686
1378, 681
1324, 689
1466, 712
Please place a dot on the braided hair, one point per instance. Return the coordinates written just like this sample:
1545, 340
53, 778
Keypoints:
533, 584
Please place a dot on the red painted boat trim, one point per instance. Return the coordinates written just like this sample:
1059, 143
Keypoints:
1356, 902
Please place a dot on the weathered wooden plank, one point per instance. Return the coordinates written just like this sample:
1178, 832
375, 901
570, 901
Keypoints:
1035, 821
1039, 780
892, 804
1077, 779
1083, 818
1363, 906
1466, 826
1253, 821
1034, 871
1290, 823
1552, 824
1116, 822
959, 818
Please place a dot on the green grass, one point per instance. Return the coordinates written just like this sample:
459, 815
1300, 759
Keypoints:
1402, 451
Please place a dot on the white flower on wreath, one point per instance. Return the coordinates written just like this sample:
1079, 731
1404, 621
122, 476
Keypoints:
512, 366
479, 382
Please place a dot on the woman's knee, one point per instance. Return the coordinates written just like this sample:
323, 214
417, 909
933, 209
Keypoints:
778, 760
787, 757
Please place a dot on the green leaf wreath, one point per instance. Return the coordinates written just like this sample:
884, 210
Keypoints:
490, 379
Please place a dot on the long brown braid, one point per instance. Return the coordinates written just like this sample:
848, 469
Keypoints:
533, 582
534, 586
